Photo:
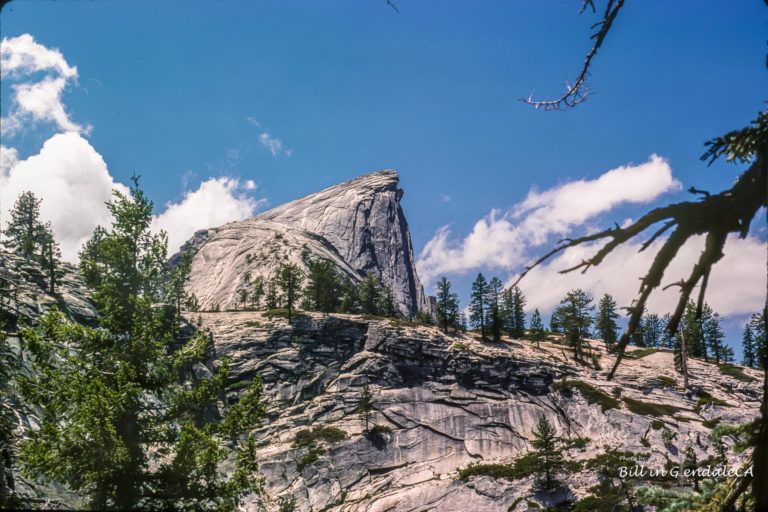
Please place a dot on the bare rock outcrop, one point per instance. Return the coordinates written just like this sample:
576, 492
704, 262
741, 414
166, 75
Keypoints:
358, 225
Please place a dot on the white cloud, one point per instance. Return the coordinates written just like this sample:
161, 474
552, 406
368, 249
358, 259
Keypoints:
36, 101
269, 141
501, 240
736, 286
73, 181
216, 202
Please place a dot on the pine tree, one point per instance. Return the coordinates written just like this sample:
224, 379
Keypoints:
272, 298
177, 278
652, 330
478, 305
606, 320
50, 256
386, 305
537, 327
289, 279
257, 293
638, 337
350, 297
691, 465
24, 229
365, 406
495, 318
447, 304
370, 294
556, 320
323, 286
576, 307
111, 398
714, 336
517, 313
667, 338
748, 347
757, 325
548, 457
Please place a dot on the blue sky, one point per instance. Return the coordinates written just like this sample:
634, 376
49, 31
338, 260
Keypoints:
349, 87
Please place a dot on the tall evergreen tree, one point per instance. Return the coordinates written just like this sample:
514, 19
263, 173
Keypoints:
365, 406
667, 339
111, 399
653, 329
387, 304
289, 279
177, 278
495, 318
447, 304
691, 465
50, 257
370, 294
24, 229
714, 336
548, 456
516, 312
478, 305
537, 327
748, 348
350, 297
757, 324
257, 292
323, 286
606, 320
576, 308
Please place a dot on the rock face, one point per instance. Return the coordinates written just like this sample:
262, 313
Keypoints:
26, 296
358, 225
448, 401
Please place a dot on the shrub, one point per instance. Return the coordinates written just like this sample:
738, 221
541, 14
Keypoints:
578, 442
590, 393
711, 423
734, 371
650, 409
522, 467
459, 346
706, 399
328, 434
253, 323
657, 424
666, 382
640, 353
644, 441
310, 458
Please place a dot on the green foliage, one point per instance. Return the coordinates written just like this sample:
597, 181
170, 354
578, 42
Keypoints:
289, 280
252, 323
657, 424
309, 437
312, 456
365, 406
605, 320
459, 346
711, 423
640, 353
447, 306
575, 320
8, 371
734, 371
578, 442
478, 305
547, 457
124, 420
24, 230
522, 467
650, 409
323, 286
514, 312
666, 382
537, 327
707, 399
590, 393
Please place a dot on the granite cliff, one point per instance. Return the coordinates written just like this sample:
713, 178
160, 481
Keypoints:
358, 225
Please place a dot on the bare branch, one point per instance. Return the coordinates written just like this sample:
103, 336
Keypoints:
578, 91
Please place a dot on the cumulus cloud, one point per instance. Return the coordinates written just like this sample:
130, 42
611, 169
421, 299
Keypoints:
736, 286
72, 180
36, 101
71, 177
502, 239
216, 202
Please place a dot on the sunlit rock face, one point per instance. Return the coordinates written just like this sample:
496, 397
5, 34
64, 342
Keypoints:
358, 225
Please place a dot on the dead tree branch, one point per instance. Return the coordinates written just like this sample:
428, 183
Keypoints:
715, 216
578, 91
